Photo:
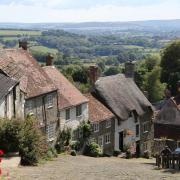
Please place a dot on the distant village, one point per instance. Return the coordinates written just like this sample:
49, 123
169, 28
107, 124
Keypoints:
119, 113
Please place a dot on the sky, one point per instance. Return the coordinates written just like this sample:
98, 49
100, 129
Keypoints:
36, 11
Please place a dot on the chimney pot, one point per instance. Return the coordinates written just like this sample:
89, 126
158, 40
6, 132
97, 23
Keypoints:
49, 60
93, 74
23, 44
129, 69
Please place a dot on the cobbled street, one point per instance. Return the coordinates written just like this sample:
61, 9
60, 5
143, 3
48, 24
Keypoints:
87, 168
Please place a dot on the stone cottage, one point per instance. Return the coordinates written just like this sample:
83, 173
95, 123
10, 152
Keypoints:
11, 98
133, 126
103, 124
72, 104
40, 92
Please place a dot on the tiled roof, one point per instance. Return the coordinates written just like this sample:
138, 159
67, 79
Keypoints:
68, 94
19, 64
97, 111
6, 83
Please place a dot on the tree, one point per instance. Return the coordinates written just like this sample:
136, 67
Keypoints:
153, 85
170, 63
112, 71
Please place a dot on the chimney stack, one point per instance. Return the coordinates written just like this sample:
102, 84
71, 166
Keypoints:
49, 60
93, 74
129, 69
23, 44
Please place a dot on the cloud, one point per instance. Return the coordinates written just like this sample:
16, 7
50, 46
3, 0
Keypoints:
107, 12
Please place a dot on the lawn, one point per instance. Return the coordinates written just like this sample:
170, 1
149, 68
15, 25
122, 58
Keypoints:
7, 33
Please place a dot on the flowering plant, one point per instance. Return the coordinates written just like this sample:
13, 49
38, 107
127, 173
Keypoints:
1, 153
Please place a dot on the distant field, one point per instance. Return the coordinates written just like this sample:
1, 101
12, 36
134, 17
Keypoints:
43, 49
132, 47
19, 32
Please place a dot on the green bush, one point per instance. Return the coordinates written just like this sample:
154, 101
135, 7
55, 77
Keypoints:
92, 149
73, 153
76, 145
9, 134
146, 154
63, 140
116, 153
33, 145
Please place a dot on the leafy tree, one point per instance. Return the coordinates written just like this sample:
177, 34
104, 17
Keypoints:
170, 63
153, 85
112, 71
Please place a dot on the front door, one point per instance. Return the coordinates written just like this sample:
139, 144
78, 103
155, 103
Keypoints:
137, 149
101, 142
121, 142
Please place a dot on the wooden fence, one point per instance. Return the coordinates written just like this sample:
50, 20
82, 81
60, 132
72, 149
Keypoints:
171, 161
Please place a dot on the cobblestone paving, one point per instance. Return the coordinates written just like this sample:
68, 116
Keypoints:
86, 168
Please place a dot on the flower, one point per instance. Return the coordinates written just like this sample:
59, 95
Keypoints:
1, 152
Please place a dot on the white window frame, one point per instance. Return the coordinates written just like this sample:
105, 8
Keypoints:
51, 131
49, 101
79, 110
146, 127
108, 123
69, 114
96, 127
107, 138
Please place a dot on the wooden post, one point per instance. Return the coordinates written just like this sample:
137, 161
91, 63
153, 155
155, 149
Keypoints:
173, 162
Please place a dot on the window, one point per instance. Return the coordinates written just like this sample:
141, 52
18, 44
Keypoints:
137, 130
29, 106
108, 123
49, 101
145, 146
67, 114
78, 110
96, 127
107, 138
145, 127
51, 128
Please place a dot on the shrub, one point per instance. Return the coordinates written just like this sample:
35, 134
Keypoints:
128, 154
63, 140
92, 149
76, 145
9, 134
32, 143
116, 153
146, 154
51, 153
73, 153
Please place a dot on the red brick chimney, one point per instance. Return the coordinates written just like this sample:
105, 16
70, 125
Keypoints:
93, 74
23, 44
129, 69
49, 60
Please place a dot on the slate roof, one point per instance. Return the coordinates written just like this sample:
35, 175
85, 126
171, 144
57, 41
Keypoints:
97, 111
6, 83
20, 64
68, 94
170, 113
121, 95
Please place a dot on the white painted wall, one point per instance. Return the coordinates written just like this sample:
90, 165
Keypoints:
74, 121
2, 108
128, 124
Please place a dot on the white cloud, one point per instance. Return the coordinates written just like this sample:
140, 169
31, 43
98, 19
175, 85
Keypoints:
39, 13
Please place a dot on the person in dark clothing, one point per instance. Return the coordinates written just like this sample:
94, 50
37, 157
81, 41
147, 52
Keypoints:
166, 151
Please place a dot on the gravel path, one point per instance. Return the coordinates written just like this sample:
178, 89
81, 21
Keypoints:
86, 168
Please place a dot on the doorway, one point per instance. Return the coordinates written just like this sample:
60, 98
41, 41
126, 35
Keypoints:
137, 149
121, 141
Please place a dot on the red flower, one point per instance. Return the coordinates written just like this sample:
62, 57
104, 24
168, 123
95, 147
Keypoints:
0, 159
1, 152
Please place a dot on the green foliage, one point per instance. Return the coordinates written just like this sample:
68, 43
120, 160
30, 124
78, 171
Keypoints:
170, 63
32, 143
92, 149
9, 134
50, 154
63, 140
85, 128
73, 153
153, 85
113, 70
116, 153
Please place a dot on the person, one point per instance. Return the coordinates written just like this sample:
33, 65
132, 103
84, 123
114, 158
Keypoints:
166, 151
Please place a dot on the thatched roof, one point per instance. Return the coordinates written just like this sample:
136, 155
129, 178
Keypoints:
121, 95
170, 113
